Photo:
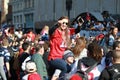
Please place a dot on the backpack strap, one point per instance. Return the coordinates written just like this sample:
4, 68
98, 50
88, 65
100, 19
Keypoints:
91, 67
84, 74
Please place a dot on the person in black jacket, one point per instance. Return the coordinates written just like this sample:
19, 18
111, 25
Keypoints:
108, 72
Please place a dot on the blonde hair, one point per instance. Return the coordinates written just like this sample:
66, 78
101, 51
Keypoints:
5, 42
45, 28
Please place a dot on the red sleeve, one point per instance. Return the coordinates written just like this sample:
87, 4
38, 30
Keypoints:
75, 77
72, 31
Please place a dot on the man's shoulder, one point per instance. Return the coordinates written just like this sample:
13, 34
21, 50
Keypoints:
114, 66
114, 71
24, 55
104, 75
36, 55
4, 50
1, 49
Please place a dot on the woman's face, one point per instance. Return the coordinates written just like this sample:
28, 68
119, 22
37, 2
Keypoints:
115, 31
42, 51
63, 24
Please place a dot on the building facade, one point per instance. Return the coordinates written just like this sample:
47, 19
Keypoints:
0, 5
0, 11
22, 13
27, 13
3, 10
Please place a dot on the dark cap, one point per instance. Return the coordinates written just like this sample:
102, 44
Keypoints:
67, 54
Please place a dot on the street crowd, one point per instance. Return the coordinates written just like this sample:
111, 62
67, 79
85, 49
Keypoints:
60, 52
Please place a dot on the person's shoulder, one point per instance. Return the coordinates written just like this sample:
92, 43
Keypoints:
25, 77
1, 49
4, 49
109, 71
76, 77
111, 36
115, 66
56, 31
25, 54
34, 76
111, 68
104, 74
36, 55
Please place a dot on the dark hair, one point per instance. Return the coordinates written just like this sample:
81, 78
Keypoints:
116, 44
112, 28
38, 47
54, 27
25, 45
94, 51
64, 17
110, 33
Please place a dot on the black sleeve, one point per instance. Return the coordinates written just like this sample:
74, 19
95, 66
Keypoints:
104, 75
77, 30
54, 27
22, 58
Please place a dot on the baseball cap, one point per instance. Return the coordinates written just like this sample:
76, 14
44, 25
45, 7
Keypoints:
30, 66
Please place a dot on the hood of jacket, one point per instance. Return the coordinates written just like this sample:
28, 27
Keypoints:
87, 61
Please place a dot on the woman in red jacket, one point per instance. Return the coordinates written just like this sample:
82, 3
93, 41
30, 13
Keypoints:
59, 42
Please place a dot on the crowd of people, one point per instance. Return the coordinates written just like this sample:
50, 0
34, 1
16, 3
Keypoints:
94, 24
57, 53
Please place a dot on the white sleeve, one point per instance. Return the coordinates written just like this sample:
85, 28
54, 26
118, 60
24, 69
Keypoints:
57, 72
25, 77
24, 63
74, 68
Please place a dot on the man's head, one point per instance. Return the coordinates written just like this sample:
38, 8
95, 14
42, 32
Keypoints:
116, 45
116, 56
25, 46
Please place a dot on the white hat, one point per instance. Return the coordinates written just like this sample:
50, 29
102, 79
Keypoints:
30, 66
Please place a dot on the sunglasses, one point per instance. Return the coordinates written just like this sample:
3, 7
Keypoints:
65, 23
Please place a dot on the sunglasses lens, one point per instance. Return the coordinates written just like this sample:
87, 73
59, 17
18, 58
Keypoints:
65, 23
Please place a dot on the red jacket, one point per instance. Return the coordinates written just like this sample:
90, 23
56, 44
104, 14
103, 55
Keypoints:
57, 46
31, 35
